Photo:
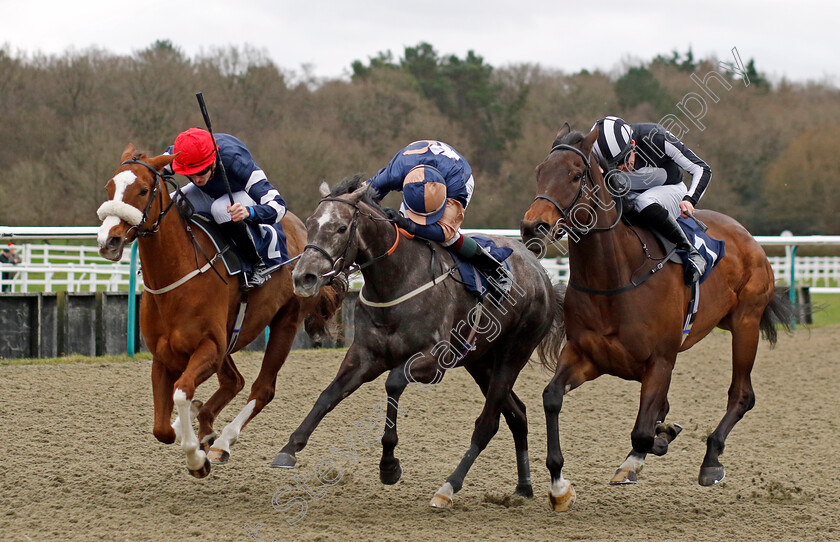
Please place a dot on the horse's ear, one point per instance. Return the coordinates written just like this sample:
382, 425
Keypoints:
160, 162
357, 194
127, 153
589, 140
324, 189
563, 132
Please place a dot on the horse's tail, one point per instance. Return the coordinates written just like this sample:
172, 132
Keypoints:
778, 311
317, 323
550, 347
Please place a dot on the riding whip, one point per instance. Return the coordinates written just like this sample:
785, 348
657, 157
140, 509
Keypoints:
219, 166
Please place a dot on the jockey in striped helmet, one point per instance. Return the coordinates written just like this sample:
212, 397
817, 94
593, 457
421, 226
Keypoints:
648, 162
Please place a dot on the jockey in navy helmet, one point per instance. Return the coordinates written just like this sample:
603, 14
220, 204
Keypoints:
437, 185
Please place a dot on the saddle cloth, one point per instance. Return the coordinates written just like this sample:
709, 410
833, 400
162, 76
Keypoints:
712, 250
476, 283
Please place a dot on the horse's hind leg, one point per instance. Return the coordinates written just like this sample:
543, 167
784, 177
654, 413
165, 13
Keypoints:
499, 389
741, 399
389, 466
514, 412
230, 384
284, 326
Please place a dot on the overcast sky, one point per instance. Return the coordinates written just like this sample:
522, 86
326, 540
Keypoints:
798, 40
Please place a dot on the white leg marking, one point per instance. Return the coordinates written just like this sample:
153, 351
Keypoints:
189, 440
230, 434
633, 463
446, 490
559, 487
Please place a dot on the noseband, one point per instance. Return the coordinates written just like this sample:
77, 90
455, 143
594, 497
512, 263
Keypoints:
564, 213
158, 184
338, 264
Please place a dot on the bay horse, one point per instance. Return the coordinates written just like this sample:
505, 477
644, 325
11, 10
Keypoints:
410, 319
187, 314
619, 327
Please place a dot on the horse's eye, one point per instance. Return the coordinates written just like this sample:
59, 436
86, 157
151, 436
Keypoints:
342, 229
144, 191
577, 177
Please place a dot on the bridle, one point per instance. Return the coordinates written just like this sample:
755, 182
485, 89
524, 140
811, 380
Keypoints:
338, 264
160, 180
567, 211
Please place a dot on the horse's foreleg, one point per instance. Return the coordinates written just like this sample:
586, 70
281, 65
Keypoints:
573, 369
230, 384
654, 397
162, 382
628, 471
203, 363
741, 399
389, 466
283, 330
354, 371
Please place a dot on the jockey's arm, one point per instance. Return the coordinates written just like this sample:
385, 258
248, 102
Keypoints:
270, 207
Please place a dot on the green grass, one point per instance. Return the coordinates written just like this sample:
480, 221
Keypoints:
826, 309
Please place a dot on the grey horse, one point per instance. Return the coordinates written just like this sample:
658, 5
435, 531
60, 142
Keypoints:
414, 319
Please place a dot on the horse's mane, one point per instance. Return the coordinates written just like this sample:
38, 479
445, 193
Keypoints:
349, 185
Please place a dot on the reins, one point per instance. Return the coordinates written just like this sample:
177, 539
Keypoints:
337, 264
567, 211
335, 268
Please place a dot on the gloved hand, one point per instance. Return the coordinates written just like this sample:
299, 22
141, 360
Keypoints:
402, 222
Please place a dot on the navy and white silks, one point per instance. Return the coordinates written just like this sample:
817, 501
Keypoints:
456, 173
250, 188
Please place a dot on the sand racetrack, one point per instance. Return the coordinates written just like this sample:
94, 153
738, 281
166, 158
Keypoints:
80, 461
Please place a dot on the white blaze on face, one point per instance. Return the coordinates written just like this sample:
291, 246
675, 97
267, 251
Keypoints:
109, 212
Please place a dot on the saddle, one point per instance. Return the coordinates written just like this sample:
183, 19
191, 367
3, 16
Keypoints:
712, 250
477, 283
222, 243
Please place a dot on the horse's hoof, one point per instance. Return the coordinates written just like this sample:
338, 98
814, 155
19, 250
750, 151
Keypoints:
660, 446
391, 476
563, 502
524, 490
203, 471
217, 456
710, 476
441, 502
623, 477
284, 461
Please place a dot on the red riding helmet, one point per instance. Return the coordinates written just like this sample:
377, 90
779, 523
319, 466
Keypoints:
194, 151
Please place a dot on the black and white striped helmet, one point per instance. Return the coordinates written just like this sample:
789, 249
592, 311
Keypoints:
614, 142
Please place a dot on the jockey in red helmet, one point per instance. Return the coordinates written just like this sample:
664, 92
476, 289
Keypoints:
257, 203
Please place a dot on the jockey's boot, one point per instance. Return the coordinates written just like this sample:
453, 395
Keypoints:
241, 237
655, 216
496, 272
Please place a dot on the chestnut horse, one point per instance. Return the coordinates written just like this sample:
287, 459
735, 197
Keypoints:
418, 328
187, 325
617, 326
